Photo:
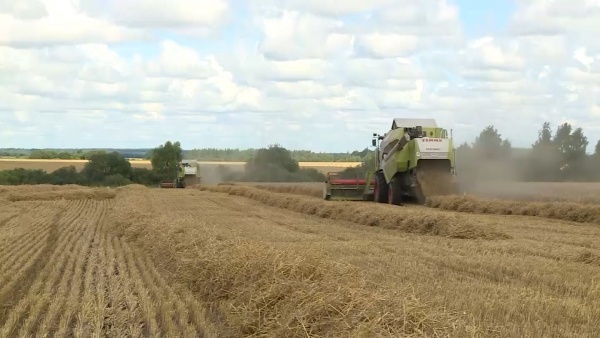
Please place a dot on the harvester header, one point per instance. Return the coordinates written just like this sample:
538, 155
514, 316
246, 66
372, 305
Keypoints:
413, 160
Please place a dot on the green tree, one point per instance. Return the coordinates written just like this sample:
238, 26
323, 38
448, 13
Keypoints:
597, 150
276, 164
65, 175
275, 155
545, 159
572, 145
165, 159
490, 145
144, 176
102, 165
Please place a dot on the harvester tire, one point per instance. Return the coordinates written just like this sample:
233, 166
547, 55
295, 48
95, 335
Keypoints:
381, 188
395, 192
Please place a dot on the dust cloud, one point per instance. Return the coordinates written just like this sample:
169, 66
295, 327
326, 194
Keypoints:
213, 174
483, 177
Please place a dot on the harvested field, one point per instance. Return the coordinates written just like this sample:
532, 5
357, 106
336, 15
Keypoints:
306, 189
578, 192
415, 220
570, 211
239, 261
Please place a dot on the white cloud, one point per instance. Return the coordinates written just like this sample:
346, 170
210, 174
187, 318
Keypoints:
24, 9
63, 25
306, 74
156, 13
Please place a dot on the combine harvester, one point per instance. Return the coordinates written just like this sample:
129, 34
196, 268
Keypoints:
414, 160
187, 174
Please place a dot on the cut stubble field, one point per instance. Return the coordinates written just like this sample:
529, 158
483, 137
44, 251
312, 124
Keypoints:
275, 261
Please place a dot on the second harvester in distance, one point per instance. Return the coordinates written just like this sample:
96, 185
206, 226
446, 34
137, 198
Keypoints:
415, 159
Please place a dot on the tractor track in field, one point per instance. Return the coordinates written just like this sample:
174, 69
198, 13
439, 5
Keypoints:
20, 284
66, 274
6, 220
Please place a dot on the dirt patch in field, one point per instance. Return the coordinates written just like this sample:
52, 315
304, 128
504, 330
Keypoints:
576, 212
66, 194
371, 214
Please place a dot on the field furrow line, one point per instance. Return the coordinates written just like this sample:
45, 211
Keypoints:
190, 314
89, 316
55, 289
14, 254
71, 280
82, 268
120, 308
16, 282
147, 303
92, 322
7, 218
174, 314
33, 215
134, 317
56, 254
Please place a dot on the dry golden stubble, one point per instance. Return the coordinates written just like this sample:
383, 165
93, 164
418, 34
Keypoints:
413, 220
62, 194
257, 289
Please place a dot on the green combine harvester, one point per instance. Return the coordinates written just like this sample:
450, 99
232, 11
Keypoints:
186, 174
415, 159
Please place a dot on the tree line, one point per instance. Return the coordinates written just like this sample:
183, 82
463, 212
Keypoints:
104, 169
271, 164
205, 154
554, 157
243, 155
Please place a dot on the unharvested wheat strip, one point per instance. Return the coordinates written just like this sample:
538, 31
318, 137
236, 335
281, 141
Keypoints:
185, 317
54, 265
72, 303
72, 284
148, 306
168, 312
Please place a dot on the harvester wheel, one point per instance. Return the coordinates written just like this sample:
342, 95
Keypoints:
381, 188
395, 192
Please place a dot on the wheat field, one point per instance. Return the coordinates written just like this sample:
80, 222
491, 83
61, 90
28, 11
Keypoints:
51, 165
278, 261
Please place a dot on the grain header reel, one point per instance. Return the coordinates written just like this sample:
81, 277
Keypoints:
348, 189
415, 159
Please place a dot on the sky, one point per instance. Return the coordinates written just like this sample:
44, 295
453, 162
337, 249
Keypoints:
305, 74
